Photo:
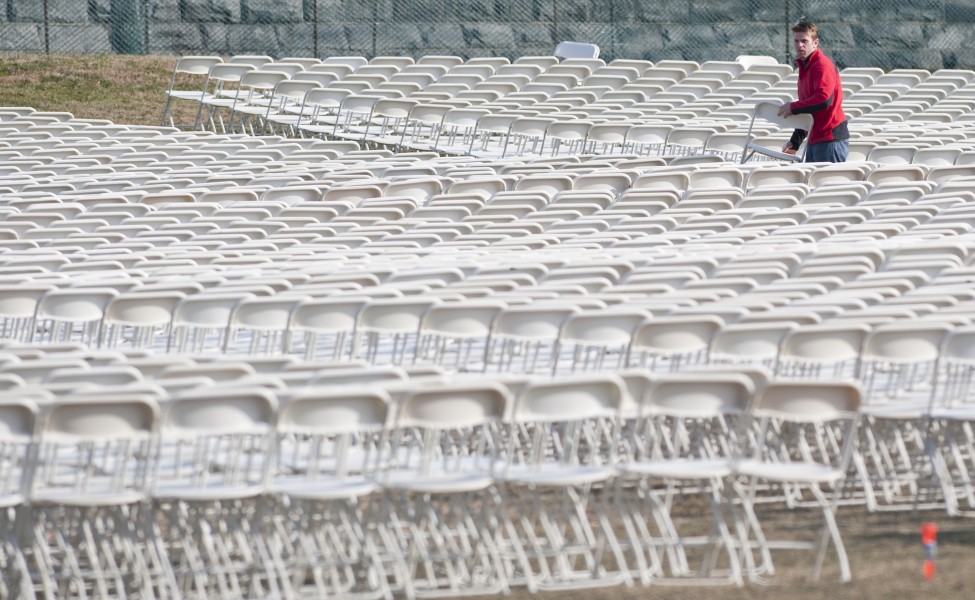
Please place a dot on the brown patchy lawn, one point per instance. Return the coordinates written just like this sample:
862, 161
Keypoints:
123, 89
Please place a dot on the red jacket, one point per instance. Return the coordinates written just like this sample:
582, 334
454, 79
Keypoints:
821, 95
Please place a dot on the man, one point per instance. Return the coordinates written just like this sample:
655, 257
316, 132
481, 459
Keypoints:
821, 95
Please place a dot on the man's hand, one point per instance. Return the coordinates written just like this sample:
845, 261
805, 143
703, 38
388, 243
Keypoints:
785, 110
788, 149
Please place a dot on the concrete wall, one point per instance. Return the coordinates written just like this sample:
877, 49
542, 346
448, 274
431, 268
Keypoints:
909, 33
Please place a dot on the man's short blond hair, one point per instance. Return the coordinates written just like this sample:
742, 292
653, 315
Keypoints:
805, 26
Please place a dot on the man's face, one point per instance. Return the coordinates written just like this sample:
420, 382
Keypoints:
805, 44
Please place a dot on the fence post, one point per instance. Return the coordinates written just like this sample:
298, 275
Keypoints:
375, 25
47, 30
788, 34
314, 28
128, 25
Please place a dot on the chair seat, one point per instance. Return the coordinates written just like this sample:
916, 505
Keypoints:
211, 493
896, 409
11, 500
336, 489
438, 483
799, 472
680, 468
773, 153
74, 498
963, 412
557, 475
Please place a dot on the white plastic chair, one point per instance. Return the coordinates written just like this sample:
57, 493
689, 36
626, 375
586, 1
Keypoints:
18, 426
769, 111
674, 342
561, 454
211, 468
598, 338
329, 534
439, 488
524, 337
576, 50
327, 325
822, 351
186, 68
457, 334
389, 328
92, 525
804, 439
68, 314
202, 321
137, 319
261, 324
17, 307
686, 443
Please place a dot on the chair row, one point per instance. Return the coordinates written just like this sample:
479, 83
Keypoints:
895, 359
229, 491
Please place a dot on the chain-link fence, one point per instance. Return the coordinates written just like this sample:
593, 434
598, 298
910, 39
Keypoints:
928, 34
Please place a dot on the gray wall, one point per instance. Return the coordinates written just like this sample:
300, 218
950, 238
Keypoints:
909, 33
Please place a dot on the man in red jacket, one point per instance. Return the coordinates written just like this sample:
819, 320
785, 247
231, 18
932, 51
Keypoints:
821, 95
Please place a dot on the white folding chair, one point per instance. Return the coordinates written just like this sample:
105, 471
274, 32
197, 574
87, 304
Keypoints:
136, 319
595, 339
325, 527
327, 325
92, 524
389, 328
202, 321
822, 351
439, 493
18, 305
68, 314
670, 343
801, 443
18, 426
561, 456
685, 445
189, 67
524, 337
457, 334
769, 111
210, 469
261, 324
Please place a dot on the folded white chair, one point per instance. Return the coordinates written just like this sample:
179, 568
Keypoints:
769, 111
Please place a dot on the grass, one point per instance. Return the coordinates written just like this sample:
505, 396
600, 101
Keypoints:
885, 549
123, 89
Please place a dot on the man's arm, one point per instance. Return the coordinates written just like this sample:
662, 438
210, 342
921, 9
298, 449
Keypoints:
824, 83
795, 141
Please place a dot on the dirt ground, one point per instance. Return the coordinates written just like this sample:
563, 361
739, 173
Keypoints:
886, 557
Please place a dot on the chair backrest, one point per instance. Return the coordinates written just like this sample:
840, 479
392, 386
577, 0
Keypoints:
18, 426
449, 427
326, 432
678, 338
808, 400
576, 50
566, 423
906, 342
769, 111
97, 447
806, 422
142, 309
810, 350
215, 438
749, 342
696, 415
